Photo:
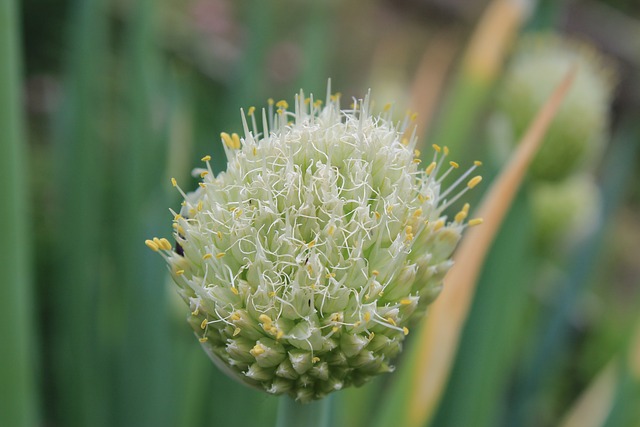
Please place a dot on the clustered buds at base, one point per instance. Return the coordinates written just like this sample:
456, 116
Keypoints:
306, 260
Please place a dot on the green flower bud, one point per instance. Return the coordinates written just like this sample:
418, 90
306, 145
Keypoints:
304, 263
579, 129
565, 211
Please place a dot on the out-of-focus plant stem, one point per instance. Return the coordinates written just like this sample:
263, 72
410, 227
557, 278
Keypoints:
313, 414
17, 390
80, 386
145, 379
480, 67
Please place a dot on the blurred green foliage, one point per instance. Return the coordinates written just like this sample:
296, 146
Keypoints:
120, 96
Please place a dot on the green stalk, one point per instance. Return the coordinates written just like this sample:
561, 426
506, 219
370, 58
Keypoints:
144, 378
314, 414
79, 392
17, 388
317, 39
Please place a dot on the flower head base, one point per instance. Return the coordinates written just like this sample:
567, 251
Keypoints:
306, 260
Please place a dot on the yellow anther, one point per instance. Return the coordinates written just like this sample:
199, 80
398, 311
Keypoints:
255, 151
206, 158
477, 163
202, 185
405, 141
179, 272
460, 216
416, 153
236, 140
438, 225
317, 103
219, 234
165, 244
270, 101
203, 339
375, 273
226, 139
408, 229
203, 324
465, 208
474, 181
236, 331
200, 205
445, 149
405, 330
257, 350
174, 182
391, 321
311, 244
272, 330
280, 111
413, 117
279, 334
252, 110
437, 147
307, 101
431, 168
416, 161
405, 301
356, 324
207, 256
331, 230
235, 317
389, 209
152, 245
335, 329
282, 104
315, 359
454, 165
192, 212
371, 335
377, 214
234, 290
203, 174
177, 217
265, 319
220, 255
367, 316
417, 213
475, 221
271, 294
196, 311
387, 107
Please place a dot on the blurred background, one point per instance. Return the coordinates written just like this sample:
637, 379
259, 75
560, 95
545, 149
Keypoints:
104, 100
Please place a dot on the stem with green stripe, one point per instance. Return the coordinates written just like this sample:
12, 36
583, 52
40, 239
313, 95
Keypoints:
314, 414
17, 388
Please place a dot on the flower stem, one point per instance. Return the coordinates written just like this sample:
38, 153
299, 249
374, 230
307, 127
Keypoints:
314, 414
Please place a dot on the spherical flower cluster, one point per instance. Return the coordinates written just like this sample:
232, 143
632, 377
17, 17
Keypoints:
579, 129
304, 263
